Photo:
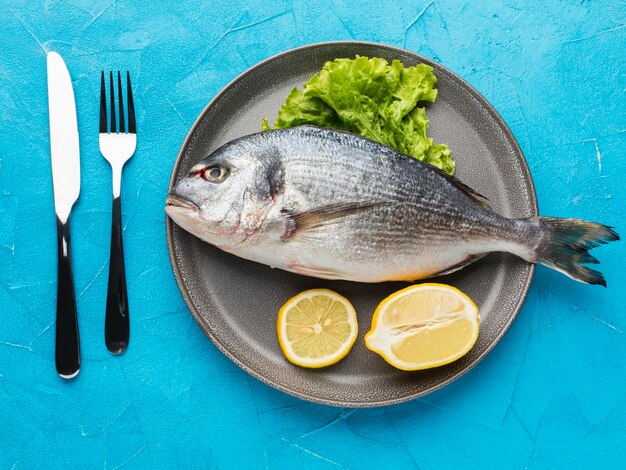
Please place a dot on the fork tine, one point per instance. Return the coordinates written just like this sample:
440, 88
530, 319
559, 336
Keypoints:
121, 102
132, 128
113, 127
103, 105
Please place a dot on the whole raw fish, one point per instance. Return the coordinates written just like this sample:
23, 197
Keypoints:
334, 205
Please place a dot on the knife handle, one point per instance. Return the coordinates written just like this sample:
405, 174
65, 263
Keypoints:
67, 339
116, 323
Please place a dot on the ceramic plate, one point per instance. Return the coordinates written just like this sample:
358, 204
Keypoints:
235, 301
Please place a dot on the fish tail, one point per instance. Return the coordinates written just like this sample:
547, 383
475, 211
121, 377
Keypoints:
566, 247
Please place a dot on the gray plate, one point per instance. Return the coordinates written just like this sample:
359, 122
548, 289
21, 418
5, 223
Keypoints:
235, 301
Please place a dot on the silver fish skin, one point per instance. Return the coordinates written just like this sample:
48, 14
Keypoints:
333, 205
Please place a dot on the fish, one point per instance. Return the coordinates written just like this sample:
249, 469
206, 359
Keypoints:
333, 205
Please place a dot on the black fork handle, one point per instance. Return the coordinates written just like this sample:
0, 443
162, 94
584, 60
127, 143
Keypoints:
67, 349
116, 324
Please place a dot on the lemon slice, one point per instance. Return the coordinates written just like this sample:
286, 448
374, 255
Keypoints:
316, 328
423, 326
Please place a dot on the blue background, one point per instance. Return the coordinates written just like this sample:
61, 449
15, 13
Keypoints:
551, 395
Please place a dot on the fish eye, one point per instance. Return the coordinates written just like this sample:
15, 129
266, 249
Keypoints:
215, 173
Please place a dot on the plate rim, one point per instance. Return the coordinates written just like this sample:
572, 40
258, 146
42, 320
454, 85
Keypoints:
169, 224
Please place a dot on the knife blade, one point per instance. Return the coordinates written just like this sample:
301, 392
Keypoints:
64, 150
65, 159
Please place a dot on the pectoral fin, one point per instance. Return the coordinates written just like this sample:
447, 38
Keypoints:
302, 223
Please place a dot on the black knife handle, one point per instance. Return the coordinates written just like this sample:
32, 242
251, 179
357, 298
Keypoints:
116, 324
67, 339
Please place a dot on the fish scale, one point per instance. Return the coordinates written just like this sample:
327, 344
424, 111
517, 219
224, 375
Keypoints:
334, 205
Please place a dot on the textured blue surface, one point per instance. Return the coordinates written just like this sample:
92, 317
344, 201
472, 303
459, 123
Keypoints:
551, 395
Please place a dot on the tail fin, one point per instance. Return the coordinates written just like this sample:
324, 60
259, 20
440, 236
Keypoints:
569, 241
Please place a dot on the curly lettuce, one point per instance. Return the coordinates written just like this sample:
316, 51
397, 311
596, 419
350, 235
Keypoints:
372, 98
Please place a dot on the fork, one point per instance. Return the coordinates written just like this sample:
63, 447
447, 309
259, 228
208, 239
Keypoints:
117, 147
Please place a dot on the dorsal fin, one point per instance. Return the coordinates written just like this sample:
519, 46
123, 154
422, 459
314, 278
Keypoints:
469, 192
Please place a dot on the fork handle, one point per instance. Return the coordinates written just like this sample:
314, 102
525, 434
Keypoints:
67, 350
116, 324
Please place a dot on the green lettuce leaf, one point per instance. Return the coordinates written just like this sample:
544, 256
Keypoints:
372, 98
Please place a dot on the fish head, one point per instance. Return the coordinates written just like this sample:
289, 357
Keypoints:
226, 197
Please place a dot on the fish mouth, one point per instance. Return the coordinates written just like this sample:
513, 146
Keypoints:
180, 202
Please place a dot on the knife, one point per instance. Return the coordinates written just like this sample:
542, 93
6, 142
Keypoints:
64, 154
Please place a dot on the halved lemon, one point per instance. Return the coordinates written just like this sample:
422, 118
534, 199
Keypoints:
316, 328
423, 326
